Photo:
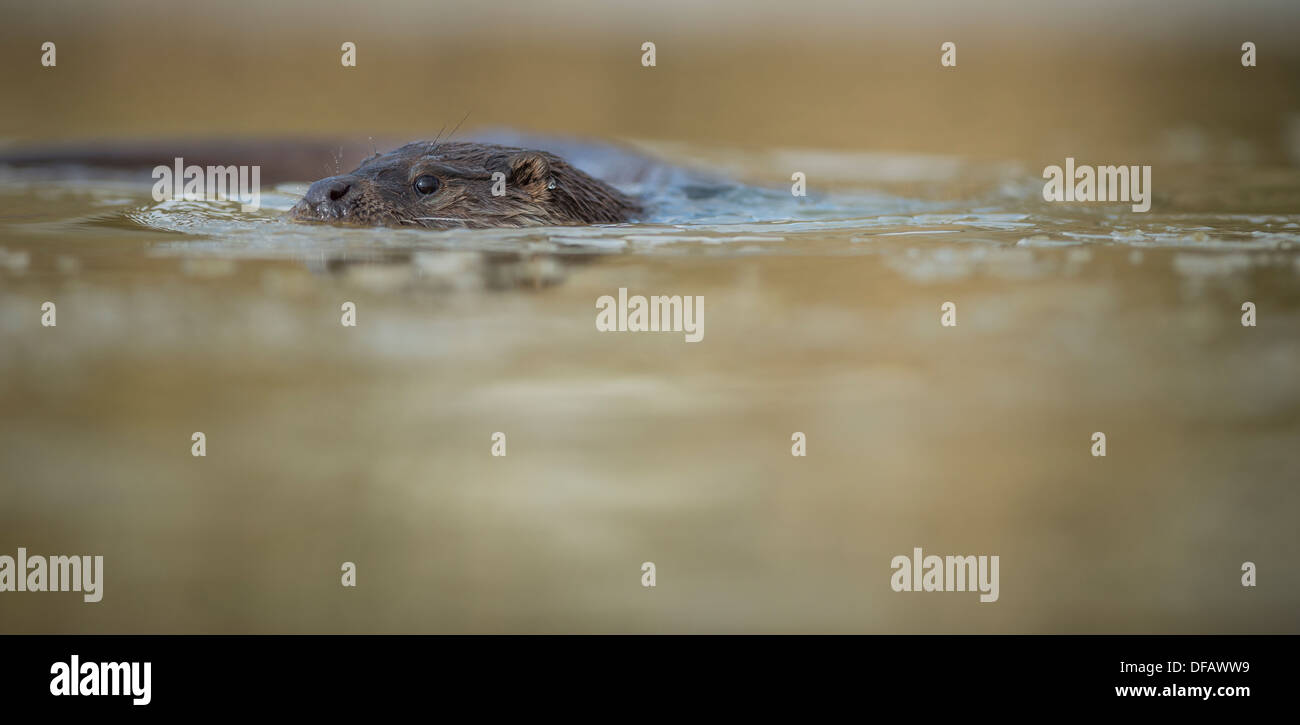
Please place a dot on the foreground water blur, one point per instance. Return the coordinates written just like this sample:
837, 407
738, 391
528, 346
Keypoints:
371, 444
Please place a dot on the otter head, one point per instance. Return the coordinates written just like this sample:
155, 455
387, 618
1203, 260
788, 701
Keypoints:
463, 185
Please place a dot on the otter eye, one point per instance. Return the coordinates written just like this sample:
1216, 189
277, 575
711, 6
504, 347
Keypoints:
426, 184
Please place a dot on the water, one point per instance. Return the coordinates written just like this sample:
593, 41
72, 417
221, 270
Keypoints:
371, 444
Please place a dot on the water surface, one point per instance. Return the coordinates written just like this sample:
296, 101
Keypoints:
371, 444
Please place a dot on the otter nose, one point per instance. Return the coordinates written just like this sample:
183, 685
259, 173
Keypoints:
330, 189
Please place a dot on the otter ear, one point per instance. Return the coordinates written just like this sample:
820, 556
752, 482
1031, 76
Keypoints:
526, 170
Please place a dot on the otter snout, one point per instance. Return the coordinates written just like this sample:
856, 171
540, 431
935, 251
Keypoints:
329, 197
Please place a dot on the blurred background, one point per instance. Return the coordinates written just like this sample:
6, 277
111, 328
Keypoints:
1138, 79
371, 444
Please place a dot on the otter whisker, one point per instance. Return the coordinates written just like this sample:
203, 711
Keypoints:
434, 144
458, 124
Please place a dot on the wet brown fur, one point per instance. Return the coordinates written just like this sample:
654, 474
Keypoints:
541, 189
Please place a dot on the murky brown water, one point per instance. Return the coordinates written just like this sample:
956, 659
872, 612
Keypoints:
372, 444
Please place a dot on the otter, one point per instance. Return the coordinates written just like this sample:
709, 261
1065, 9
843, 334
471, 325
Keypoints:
451, 185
